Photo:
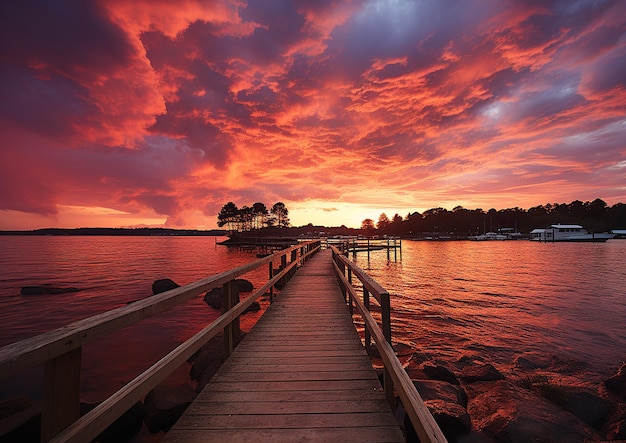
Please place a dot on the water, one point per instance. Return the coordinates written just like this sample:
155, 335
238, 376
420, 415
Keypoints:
493, 301
558, 302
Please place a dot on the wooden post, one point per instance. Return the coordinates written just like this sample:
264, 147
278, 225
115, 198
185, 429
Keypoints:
229, 330
61, 394
385, 306
271, 267
283, 265
368, 334
294, 257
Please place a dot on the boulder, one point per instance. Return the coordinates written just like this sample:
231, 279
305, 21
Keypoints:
438, 372
587, 406
46, 289
213, 298
165, 404
617, 431
446, 402
617, 383
484, 372
509, 413
163, 285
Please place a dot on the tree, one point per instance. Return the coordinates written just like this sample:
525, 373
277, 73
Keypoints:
228, 215
383, 222
279, 210
367, 225
260, 212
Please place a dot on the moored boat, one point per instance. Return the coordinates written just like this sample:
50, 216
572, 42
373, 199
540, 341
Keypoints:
569, 233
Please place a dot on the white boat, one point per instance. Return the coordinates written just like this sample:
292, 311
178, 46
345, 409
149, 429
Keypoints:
490, 236
559, 232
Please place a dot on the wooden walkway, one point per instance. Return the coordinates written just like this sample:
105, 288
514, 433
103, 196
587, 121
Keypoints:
301, 374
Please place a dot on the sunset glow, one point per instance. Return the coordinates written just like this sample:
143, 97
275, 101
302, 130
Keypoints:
157, 113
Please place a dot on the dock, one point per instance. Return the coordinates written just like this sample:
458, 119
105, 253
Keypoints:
301, 374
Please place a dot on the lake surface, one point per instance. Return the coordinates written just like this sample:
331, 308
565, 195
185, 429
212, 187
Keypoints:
493, 301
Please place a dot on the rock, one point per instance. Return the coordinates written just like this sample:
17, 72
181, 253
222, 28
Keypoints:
441, 390
438, 372
528, 364
213, 298
617, 431
446, 403
512, 414
617, 383
165, 404
163, 285
587, 406
46, 289
122, 429
243, 285
485, 372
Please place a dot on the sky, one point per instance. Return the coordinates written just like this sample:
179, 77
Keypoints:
157, 113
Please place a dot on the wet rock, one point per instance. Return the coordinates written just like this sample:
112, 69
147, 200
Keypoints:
446, 402
441, 390
165, 404
46, 289
509, 413
617, 383
213, 298
122, 429
438, 372
529, 363
587, 406
163, 285
617, 431
484, 372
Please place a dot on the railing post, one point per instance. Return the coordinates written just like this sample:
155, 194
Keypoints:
61, 393
385, 306
229, 330
271, 269
368, 334
283, 265
294, 257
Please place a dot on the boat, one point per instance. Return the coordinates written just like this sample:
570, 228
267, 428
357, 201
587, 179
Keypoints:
569, 233
490, 236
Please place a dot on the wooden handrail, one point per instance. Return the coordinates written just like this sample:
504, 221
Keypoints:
422, 420
60, 350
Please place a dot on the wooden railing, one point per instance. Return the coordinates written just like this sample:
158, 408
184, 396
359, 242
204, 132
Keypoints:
394, 375
60, 350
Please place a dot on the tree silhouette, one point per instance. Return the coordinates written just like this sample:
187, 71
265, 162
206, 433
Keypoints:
279, 210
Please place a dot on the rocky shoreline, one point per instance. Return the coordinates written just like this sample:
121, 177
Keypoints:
471, 400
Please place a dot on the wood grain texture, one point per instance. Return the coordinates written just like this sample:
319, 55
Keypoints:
301, 374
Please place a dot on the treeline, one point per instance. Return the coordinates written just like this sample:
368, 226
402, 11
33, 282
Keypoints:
253, 217
595, 216
117, 232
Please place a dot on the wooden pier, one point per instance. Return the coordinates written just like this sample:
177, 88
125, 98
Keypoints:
301, 374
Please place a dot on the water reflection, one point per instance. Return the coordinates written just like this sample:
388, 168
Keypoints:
497, 300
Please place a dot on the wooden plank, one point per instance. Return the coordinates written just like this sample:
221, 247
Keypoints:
300, 374
322, 435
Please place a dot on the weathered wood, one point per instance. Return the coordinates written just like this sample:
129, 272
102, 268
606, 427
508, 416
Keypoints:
394, 374
300, 374
61, 395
